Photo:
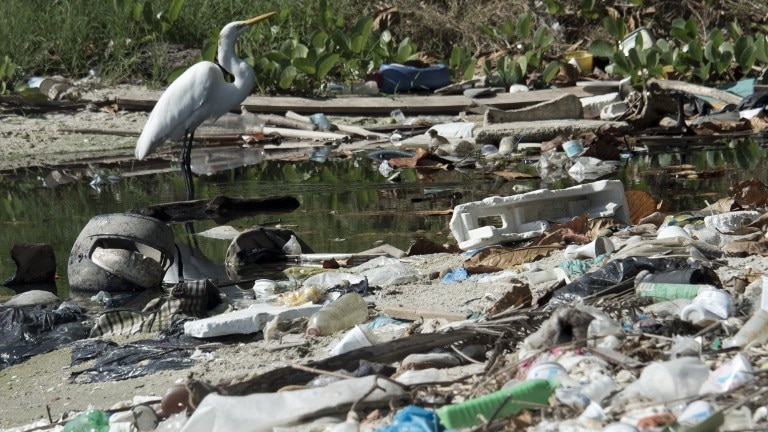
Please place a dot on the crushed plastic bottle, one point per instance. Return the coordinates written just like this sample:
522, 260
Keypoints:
253, 125
385, 169
398, 116
292, 246
341, 314
321, 121
502, 403
90, 421
396, 137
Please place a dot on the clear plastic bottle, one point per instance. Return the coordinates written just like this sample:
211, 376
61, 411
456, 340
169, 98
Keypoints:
341, 314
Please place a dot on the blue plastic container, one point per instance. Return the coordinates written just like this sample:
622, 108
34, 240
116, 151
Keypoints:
397, 78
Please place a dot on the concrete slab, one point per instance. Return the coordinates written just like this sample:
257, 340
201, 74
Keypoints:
566, 106
543, 130
245, 321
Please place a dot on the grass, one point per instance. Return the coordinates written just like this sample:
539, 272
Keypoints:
71, 37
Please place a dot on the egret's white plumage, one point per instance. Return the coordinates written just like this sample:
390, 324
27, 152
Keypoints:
198, 94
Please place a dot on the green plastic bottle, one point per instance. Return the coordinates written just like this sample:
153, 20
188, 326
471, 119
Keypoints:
90, 421
471, 412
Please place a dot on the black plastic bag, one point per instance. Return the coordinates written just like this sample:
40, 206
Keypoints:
611, 274
115, 362
28, 331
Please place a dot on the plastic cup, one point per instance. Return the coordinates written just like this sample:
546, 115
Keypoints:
716, 301
672, 231
619, 427
356, 338
673, 379
573, 148
546, 370
698, 314
695, 413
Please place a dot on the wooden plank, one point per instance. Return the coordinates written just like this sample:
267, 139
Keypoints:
382, 105
415, 314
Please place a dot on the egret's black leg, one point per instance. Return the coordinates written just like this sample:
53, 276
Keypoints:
186, 162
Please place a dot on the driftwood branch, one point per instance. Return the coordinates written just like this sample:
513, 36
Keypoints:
388, 352
694, 89
220, 209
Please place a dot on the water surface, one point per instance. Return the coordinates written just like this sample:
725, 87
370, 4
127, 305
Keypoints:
346, 204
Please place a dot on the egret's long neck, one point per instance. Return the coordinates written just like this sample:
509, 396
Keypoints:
241, 70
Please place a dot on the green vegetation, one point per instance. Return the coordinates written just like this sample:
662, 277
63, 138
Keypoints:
313, 42
727, 54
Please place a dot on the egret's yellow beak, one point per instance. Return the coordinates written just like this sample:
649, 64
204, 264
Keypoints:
253, 21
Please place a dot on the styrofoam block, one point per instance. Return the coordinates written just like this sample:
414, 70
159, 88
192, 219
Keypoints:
245, 321
592, 105
528, 215
614, 110
731, 221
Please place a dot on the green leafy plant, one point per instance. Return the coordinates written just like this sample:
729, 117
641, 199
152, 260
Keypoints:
335, 51
7, 74
509, 70
461, 63
719, 56
143, 14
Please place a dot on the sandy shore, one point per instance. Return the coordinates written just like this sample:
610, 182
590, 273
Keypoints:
40, 387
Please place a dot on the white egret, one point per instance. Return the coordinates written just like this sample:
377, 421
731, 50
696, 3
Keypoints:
200, 93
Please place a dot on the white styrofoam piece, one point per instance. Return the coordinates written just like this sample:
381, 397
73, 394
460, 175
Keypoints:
454, 130
245, 321
731, 221
592, 105
527, 215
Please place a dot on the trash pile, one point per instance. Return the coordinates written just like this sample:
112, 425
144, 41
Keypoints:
642, 321
603, 311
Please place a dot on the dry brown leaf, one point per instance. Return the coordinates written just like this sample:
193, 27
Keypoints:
422, 159
568, 232
561, 236
598, 225
481, 269
655, 218
749, 193
518, 295
514, 175
743, 248
722, 205
507, 258
760, 222
641, 204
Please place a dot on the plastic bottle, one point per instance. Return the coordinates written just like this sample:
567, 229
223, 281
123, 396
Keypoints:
668, 380
341, 314
89, 421
469, 413
669, 291
252, 125
754, 331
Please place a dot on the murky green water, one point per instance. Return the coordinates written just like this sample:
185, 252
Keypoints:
346, 205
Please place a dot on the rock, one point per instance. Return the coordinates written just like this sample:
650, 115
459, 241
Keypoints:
33, 298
